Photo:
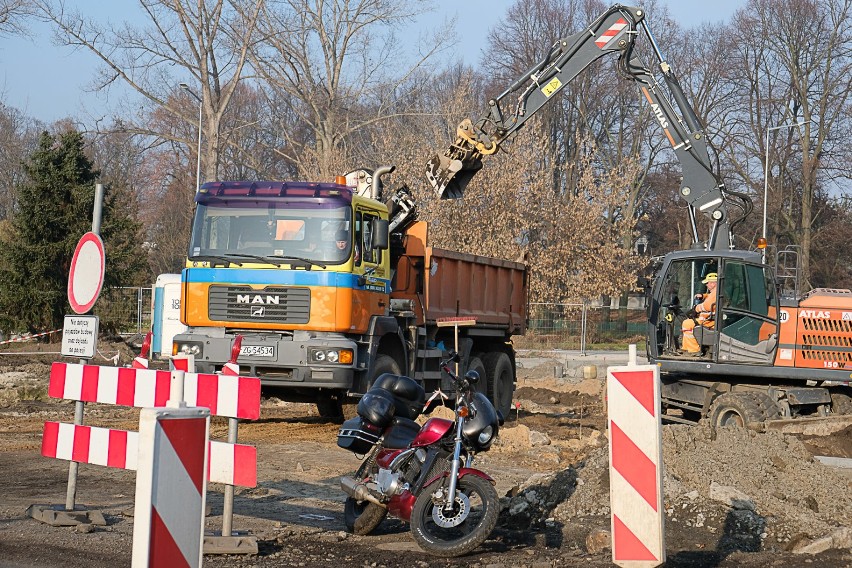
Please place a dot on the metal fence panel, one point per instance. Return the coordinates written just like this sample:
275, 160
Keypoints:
124, 311
581, 326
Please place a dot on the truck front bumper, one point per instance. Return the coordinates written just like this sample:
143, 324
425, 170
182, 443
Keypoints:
278, 360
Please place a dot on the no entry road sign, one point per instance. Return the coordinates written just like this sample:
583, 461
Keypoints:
86, 276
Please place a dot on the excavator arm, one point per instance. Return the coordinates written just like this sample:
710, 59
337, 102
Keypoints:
615, 32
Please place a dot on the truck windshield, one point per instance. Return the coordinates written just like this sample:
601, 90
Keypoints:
314, 232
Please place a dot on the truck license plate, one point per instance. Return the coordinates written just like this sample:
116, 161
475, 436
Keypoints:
257, 351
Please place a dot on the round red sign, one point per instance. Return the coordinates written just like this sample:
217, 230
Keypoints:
87, 273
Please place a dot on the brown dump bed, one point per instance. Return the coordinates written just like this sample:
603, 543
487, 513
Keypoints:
447, 284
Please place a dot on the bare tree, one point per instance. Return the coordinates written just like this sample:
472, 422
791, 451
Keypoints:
202, 43
336, 68
572, 247
13, 14
794, 58
18, 139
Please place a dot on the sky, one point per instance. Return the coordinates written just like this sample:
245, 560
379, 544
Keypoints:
49, 82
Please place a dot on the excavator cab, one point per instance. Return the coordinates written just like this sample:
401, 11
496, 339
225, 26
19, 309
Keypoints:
743, 327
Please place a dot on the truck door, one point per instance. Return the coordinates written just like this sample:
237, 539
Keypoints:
748, 314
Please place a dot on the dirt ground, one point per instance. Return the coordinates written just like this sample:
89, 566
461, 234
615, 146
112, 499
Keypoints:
732, 497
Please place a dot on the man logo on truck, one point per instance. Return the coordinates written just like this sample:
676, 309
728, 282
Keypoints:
257, 299
257, 311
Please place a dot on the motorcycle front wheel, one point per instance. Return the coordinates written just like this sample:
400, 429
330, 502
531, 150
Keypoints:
462, 529
362, 517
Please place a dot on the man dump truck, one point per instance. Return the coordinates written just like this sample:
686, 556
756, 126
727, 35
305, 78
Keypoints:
767, 353
326, 290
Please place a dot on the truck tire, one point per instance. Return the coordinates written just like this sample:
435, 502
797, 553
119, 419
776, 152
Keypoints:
476, 364
383, 364
738, 409
498, 367
841, 403
330, 407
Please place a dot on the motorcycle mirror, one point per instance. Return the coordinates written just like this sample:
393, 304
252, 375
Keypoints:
472, 377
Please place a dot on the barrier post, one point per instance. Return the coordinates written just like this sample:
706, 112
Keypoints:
171, 485
227, 542
71, 492
635, 465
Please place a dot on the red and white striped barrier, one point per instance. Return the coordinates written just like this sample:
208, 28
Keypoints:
29, 337
231, 464
635, 464
230, 396
168, 526
141, 362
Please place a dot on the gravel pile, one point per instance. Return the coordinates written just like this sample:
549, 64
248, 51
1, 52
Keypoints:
768, 481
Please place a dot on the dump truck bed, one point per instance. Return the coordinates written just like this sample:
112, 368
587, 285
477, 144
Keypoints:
448, 284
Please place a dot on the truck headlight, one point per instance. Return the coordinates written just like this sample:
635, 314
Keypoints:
186, 349
334, 356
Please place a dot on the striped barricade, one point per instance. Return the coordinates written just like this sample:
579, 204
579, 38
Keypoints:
230, 396
635, 465
229, 464
233, 397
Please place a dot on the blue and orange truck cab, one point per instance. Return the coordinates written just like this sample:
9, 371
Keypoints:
303, 273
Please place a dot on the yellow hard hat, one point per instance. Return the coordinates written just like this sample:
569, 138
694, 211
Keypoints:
712, 277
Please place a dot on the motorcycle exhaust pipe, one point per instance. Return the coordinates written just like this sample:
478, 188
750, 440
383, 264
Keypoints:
358, 491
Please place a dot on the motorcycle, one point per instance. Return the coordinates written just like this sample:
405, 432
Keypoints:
422, 475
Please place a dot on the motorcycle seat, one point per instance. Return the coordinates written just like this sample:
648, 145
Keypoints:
400, 433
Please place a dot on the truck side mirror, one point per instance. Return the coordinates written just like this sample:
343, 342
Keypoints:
381, 234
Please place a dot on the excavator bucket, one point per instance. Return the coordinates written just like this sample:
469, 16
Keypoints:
449, 177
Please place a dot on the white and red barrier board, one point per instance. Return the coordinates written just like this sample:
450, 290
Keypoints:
231, 464
170, 487
635, 465
230, 396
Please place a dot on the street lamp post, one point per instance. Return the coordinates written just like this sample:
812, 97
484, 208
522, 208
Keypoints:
766, 173
186, 88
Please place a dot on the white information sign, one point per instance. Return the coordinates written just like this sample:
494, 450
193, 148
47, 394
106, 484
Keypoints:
80, 336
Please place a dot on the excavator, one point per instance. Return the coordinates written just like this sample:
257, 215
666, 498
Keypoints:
763, 352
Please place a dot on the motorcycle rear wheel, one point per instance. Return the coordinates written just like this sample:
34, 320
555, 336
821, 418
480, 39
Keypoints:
363, 517
469, 534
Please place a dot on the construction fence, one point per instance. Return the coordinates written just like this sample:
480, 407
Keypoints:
124, 311
571, 326
581, 326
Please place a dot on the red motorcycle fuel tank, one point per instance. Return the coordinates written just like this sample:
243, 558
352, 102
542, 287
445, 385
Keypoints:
433, 430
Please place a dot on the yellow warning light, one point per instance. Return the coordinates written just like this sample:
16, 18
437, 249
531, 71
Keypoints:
761, 243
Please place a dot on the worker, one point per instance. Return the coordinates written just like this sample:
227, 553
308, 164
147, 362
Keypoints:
341, 240
703, 314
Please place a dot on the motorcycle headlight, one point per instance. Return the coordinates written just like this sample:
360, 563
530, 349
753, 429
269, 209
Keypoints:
486, 435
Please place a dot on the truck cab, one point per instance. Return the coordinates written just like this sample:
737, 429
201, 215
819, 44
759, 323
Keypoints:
300, 270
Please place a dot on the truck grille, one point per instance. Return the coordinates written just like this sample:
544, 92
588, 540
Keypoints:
275, 304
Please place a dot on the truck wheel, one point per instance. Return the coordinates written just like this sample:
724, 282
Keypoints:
384, 364
498, 367
475, 364
330, 407
737, 409
841, 403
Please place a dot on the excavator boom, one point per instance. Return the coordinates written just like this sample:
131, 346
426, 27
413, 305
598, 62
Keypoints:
615, 32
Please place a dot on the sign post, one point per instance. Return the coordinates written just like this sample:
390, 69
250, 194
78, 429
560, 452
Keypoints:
85, 280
